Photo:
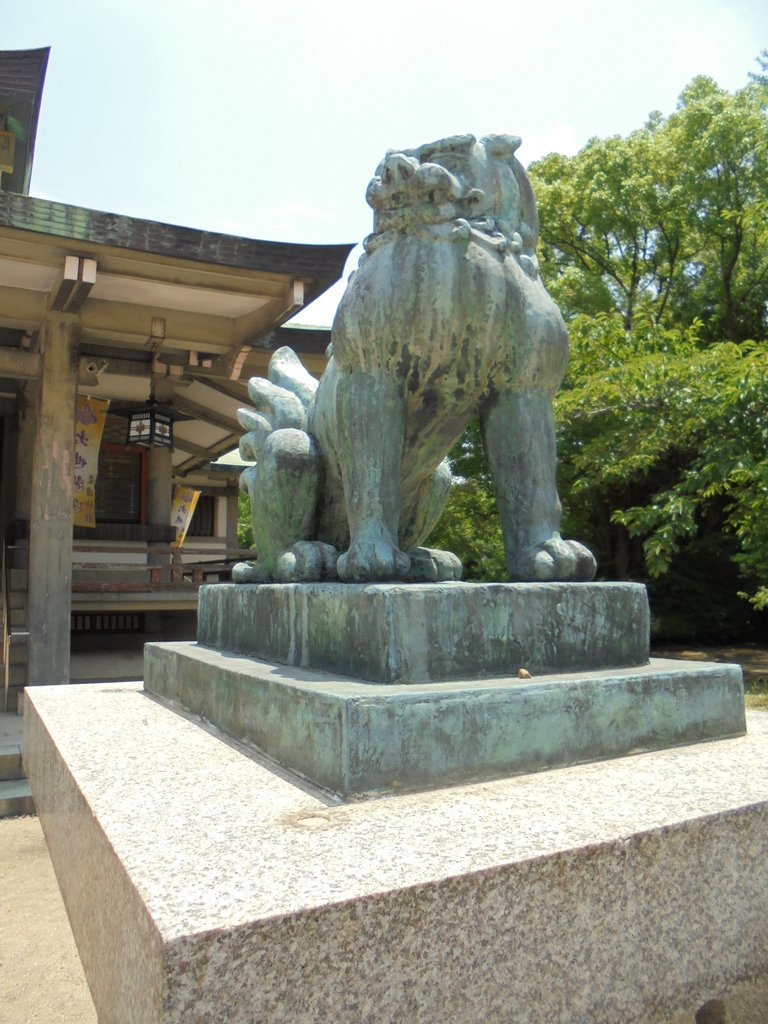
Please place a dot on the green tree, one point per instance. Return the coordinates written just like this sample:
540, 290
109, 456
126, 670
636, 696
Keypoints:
663, 447
663, 441
244, 528
613, 225
470, 525
761, 77
668, 222
722, 141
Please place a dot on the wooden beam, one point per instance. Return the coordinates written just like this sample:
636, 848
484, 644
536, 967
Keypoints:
233, 362
189, 446
201, 412
64, 285
231, 388
116, 365
207, 455
123, 321
17, 363
73, 285
21, 308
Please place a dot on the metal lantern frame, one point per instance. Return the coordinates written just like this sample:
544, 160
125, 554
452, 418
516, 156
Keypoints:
150, 425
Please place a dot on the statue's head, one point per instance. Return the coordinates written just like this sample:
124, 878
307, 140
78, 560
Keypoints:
457, 178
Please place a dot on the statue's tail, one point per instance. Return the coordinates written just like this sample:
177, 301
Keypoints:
280, 401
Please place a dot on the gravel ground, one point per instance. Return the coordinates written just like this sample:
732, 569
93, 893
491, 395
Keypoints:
41, 980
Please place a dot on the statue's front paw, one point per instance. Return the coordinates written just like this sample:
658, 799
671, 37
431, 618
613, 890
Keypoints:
307, 561
369, 562
249, 572
432, 565
556, 560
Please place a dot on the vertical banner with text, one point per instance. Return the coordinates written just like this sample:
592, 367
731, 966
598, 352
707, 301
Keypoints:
182, 510
90, 417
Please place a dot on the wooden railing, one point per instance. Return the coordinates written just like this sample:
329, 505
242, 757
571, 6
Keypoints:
166, 567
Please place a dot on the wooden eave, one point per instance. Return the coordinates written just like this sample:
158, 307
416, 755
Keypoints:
200, 310
320, 263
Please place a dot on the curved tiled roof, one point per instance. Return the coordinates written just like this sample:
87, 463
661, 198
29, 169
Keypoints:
324, 263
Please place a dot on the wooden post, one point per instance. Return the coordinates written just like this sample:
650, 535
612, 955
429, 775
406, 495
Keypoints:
25, 449
232, 543
50, 521
160, 488
159, 497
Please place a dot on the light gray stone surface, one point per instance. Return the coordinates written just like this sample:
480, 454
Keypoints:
204, 887
416, 633
446, 318
361, 739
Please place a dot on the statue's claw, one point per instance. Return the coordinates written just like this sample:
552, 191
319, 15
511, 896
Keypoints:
556, 560
371, 562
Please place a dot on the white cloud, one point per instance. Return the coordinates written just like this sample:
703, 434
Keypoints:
561, 138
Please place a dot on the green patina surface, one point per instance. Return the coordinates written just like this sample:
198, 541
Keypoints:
361, 739
390, 633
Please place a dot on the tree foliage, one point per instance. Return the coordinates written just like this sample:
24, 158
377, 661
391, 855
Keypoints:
470, 526
244, 527
664, 440
668, 222
760, 77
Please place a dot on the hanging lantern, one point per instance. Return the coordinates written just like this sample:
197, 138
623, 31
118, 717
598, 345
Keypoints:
150, 425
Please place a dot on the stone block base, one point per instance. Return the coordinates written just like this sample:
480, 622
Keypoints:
361, 739
429, 633
202, 886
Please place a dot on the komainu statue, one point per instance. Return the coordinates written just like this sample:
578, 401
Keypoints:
445, 318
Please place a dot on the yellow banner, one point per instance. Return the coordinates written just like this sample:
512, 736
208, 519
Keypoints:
182, 510
90, 417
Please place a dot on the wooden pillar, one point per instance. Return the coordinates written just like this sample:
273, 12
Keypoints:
232, 543
9, 436
50, 520
25, 448
159, 495
160, 486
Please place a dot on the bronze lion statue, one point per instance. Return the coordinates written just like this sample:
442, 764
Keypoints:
445, 318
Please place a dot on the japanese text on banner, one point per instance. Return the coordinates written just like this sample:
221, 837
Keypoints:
90, 417
182, 510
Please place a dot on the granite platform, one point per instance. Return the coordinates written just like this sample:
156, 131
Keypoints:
203, 885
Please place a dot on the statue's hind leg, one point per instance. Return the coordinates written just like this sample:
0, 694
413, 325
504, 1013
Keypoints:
283, 490
519, 439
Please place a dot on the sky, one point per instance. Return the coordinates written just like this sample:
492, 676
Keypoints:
267, 119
